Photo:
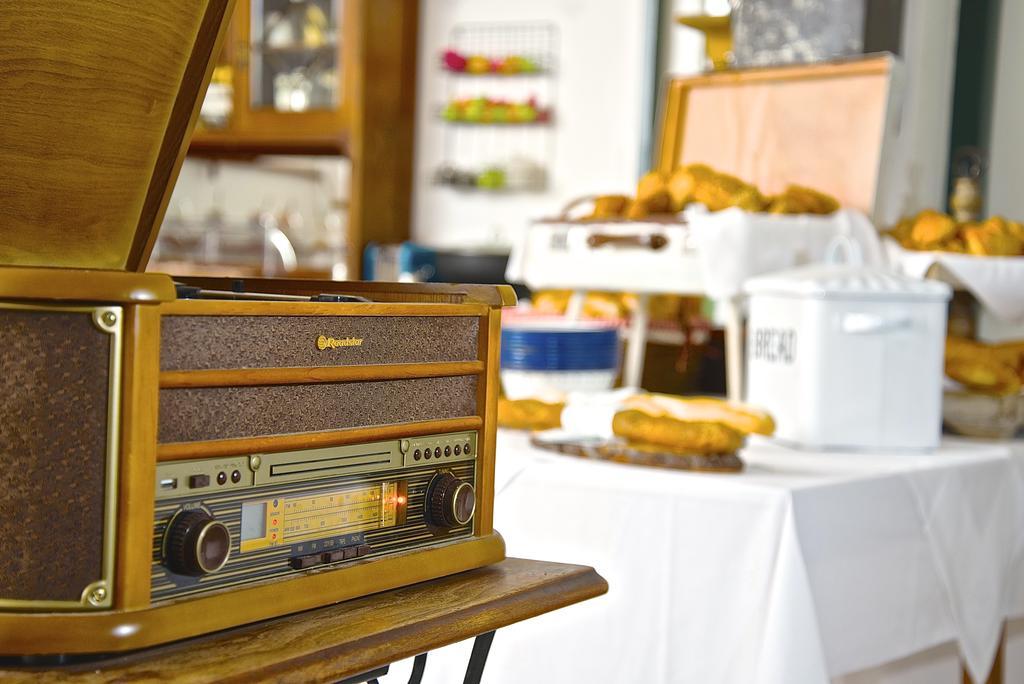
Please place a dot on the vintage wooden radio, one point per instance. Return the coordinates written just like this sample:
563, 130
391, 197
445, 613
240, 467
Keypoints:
179, 460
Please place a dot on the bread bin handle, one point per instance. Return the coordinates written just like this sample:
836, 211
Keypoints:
869, 324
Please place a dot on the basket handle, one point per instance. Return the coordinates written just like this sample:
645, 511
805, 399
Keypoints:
653, 242
564, 214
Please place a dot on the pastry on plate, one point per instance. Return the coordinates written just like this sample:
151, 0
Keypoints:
676, 436
741, 417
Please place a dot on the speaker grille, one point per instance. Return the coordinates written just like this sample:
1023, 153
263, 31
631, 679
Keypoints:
54, 384
224, 342
194, 414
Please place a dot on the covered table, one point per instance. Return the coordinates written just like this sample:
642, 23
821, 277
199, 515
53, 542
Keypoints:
805, 568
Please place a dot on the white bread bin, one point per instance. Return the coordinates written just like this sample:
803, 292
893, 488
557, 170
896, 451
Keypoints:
848, 357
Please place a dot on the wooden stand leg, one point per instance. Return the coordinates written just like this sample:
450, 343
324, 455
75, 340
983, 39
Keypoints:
996, 675
733, 348
636, 346
574, 309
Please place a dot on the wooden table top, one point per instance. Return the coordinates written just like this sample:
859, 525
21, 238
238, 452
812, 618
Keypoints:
346, 639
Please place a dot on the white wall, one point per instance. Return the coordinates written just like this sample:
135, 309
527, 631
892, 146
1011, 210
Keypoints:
1006, 141
598, 115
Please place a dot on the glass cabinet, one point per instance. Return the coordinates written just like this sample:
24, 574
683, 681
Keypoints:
279, 82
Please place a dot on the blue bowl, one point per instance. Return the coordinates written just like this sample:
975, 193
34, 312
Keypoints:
551, 347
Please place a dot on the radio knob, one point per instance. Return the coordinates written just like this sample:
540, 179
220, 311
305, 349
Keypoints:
196, 544
450, 501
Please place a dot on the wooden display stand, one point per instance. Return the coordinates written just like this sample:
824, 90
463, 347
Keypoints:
354, 641
832, 127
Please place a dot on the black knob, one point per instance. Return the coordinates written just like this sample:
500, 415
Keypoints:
195, 544
450, 502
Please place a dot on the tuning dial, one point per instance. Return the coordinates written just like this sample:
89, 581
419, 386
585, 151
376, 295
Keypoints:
196, 544
450, 501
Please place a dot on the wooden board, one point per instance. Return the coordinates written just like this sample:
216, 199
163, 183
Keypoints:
99, 99
617, 451
346, 639
827, 126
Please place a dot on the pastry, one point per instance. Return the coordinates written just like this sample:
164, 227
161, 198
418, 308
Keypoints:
932, 228
652, 193
676, 436
991, 238
529, 414
609, 207
797, 199
740, 417
683, 181
985, 375
721, 191
636, 210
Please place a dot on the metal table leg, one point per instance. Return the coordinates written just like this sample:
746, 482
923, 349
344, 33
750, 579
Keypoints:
367, 677
477, 660
474, 671
418, 666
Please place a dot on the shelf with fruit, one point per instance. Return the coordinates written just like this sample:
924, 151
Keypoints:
485, 110
517, 175
480, 65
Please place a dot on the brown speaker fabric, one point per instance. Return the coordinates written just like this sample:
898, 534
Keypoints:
193, 414
222, 342
54, 370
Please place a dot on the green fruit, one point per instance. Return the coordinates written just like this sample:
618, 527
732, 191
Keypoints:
473, 111
500, 113
524, 112
450, 112
491, 179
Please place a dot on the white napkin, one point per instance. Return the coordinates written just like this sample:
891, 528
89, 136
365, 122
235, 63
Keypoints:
735, 245
996, 281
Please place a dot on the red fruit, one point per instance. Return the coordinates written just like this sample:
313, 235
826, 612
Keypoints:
496, 64
453, 61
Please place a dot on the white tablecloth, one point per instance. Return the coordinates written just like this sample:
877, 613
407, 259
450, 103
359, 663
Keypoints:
804, 568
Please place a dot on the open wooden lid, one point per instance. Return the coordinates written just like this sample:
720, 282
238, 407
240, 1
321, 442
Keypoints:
98, 102
827, 126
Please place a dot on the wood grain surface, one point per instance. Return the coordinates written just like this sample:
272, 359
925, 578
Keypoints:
141, 366
179, 451
346, 639
380, 104
419, 293
246, 377
99, 98
83, 285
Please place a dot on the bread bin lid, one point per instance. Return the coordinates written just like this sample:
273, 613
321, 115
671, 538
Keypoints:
831, 126
99, 100
843, 281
